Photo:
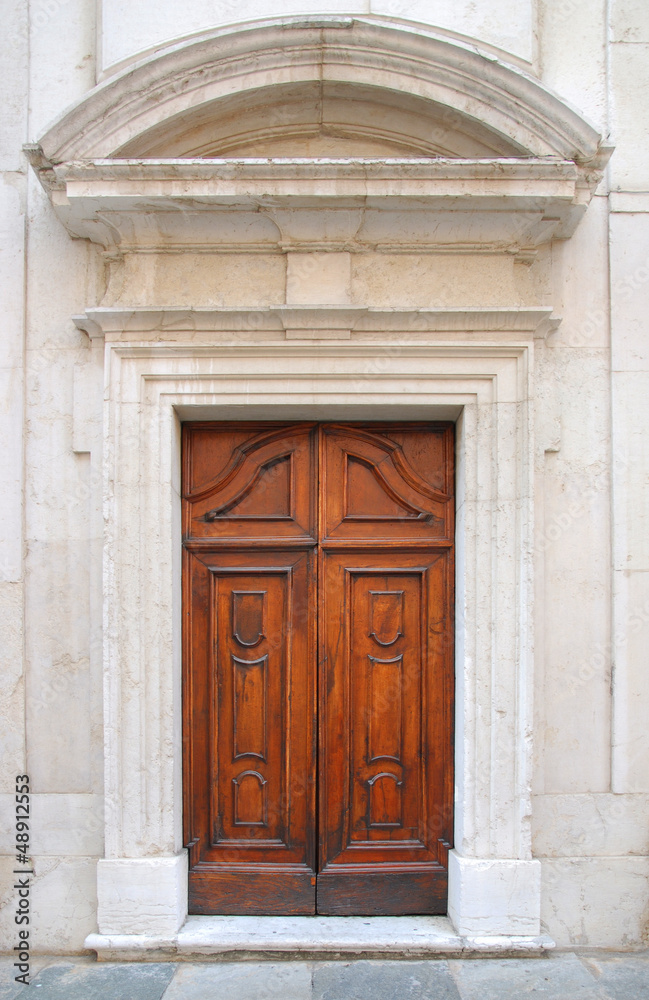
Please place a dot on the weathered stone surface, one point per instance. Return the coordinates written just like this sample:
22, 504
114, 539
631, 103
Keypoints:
383, 981
561, 977
507, 24
9, 988
601, 824
242, 981
595, 902
623, 977
90, 982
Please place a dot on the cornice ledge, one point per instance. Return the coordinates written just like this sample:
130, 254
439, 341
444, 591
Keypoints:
106, 200
294, 178
245, 169
317, 322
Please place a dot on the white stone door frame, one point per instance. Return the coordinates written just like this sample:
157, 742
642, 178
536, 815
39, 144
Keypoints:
494, 884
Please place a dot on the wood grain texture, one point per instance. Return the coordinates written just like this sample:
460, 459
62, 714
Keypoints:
250, 713
299, 538
249, 482
384, 792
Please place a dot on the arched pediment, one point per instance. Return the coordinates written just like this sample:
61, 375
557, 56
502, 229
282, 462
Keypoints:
305, 87
400, 137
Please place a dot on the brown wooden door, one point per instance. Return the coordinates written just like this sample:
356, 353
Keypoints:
318, 681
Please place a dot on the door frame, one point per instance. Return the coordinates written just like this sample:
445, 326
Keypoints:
494, 885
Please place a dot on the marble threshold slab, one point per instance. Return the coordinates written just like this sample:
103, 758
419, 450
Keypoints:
231, 938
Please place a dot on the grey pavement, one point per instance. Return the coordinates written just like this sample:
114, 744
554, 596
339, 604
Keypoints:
560, 976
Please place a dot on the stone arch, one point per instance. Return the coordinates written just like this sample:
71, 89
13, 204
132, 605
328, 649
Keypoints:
300, 86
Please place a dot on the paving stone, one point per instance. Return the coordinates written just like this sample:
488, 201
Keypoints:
381, 980
241, 981
9, 988
623, 977
561, 977
129, 981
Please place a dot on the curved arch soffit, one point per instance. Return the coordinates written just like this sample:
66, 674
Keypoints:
168, 104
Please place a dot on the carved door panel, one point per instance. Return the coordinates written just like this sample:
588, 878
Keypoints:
264, 507
249, 513
386, 684
250, 770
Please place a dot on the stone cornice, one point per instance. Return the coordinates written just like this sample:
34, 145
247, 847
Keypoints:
379, 204
314, 322
547, 158
246, 178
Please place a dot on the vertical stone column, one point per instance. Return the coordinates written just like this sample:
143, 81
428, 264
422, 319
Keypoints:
630, 385
61, 511
142, 881
494, 885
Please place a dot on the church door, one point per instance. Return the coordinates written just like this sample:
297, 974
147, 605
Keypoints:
318, 666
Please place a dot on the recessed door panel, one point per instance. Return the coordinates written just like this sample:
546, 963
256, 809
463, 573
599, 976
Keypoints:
252, 732
318, 595
249, 482
385, 676
376, 486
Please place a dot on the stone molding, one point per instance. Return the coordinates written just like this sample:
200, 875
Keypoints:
535, 189
153, 383
315, 322
362, 50
494, 896
390, 205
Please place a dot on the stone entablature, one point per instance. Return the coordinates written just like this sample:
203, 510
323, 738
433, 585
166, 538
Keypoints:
356, 205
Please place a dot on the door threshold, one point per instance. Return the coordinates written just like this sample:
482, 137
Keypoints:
230, 938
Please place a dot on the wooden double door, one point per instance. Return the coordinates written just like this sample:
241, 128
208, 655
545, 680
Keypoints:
318, 678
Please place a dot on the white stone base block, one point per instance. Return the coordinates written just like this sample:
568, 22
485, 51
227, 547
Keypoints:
144, 896
494, 897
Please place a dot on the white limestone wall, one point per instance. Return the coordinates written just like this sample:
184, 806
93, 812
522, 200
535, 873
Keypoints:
591, 807
629, 249
51, 550
13, 203
591, 784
